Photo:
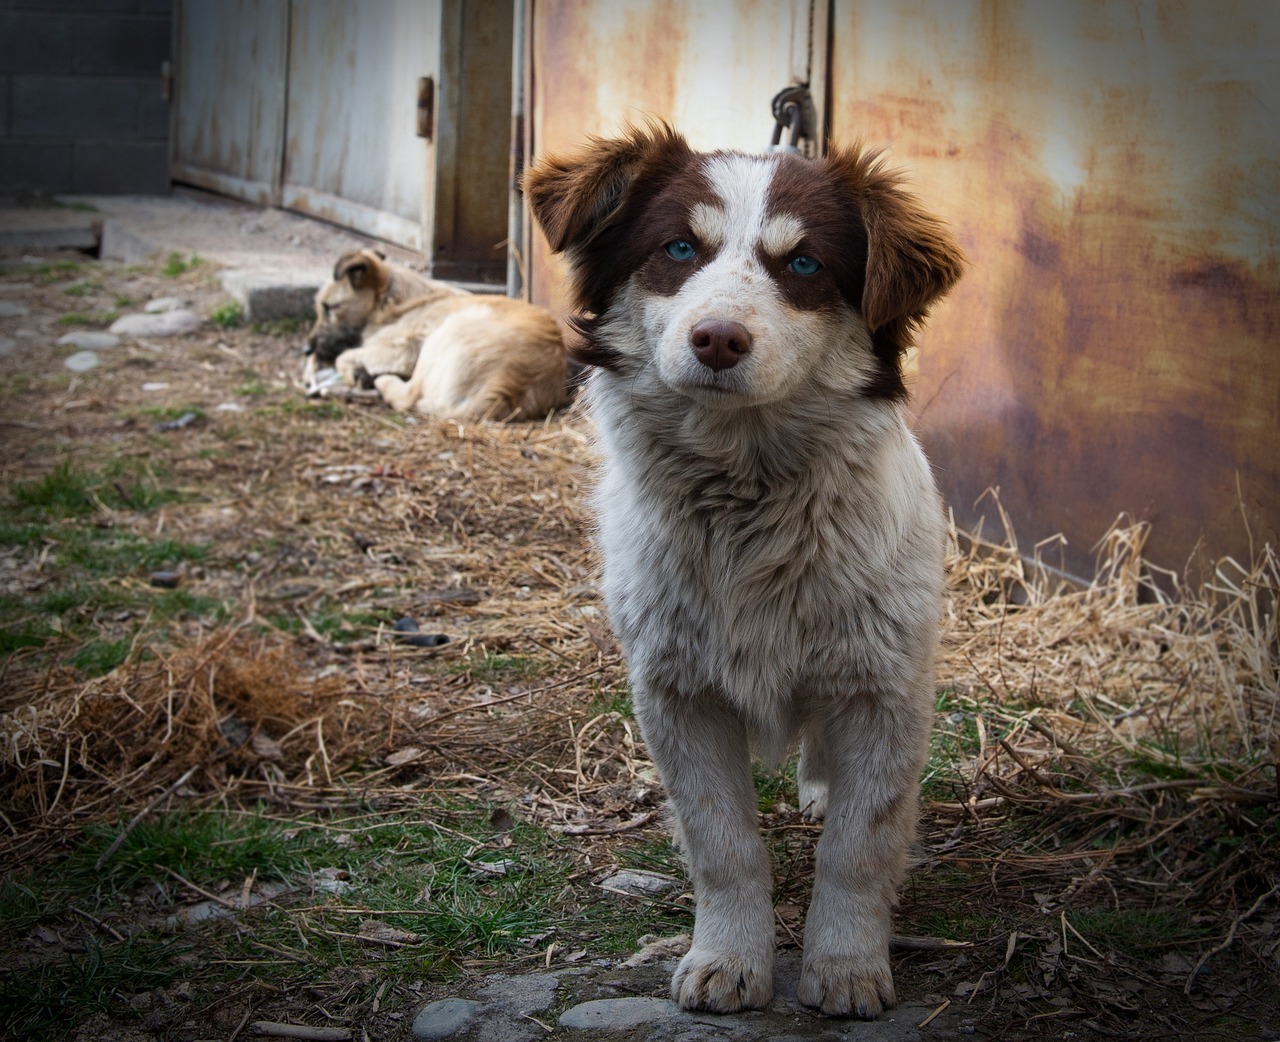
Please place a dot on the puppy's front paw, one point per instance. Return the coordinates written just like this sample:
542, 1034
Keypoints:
841, 986
722, 982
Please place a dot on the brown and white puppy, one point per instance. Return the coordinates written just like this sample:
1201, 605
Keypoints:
771, 534
435, 348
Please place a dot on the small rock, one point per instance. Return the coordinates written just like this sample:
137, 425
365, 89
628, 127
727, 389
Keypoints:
155, 385
12, 309
89, 340
444, 1019
639, 883
618, 1014
167, 323
163, 304
229, 407
165, 580
7, 344
519, 994
82, 361
407, 633
185, 420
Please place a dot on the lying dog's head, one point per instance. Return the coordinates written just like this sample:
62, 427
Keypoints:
345, 305
738, 276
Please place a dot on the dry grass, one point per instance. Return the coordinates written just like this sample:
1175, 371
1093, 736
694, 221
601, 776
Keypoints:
1099, 750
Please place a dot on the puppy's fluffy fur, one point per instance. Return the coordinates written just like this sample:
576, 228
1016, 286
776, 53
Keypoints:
771, 533
433, 347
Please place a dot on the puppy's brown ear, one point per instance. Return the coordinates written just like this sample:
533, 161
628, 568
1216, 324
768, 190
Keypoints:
912, 257
362, 268
574, 196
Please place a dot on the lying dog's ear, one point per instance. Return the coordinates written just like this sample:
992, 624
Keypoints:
573, 197
362, 268
912, 258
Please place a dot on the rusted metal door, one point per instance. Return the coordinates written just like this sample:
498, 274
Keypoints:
352, 152
711, 68
1112, 170
230, 60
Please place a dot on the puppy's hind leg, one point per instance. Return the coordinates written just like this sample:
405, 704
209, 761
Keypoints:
701, 750
813, 774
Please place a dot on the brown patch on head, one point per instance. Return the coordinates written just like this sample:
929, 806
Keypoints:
832, 232
912, 257
885, 255
610, 207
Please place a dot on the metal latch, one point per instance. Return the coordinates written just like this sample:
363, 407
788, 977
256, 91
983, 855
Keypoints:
793, 112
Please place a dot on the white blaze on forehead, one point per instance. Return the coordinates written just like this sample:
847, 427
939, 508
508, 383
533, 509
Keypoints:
742, 183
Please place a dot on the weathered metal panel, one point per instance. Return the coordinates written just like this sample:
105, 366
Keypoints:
228, 100
352, 153
1113, 171
711, 68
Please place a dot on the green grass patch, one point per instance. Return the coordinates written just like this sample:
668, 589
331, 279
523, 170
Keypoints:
327, 622
774, 785
83, 318
499, 668
465, 890
70, 490
92, 567
228, 314
100, 656
252, 389
83, 289
176, 265
65, 491
1140, 933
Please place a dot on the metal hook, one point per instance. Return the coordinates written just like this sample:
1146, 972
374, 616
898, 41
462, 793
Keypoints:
791, 110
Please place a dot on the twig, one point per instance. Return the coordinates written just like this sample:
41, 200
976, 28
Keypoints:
940, 1009
901, 943
104, 927
199, 890
1226, 943
276, 1030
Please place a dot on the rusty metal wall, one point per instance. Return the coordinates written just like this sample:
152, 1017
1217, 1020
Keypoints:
710, 67
1113, 170
229, 60
352, 154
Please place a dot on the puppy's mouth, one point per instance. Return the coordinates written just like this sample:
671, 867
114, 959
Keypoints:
711, 386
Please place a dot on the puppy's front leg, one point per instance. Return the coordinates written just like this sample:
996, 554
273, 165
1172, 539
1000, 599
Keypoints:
700, 747
874, 755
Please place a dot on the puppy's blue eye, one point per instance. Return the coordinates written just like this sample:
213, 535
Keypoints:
803, 265
680, 250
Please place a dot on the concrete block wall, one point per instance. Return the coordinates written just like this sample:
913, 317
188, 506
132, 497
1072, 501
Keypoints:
80, 96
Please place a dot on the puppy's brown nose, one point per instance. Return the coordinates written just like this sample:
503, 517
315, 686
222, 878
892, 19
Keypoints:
719, 344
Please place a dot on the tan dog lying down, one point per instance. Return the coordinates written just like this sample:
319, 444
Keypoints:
433, 347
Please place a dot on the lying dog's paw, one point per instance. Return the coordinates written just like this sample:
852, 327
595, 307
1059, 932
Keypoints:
722, 982
841, 986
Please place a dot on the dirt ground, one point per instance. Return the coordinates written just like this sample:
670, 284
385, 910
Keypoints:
1094, 877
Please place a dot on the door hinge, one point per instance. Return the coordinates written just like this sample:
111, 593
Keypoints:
426, 107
